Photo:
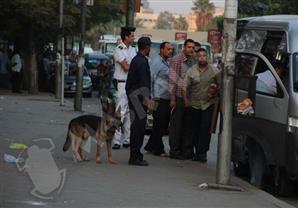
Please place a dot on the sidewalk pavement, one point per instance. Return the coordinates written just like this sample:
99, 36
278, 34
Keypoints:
164, 183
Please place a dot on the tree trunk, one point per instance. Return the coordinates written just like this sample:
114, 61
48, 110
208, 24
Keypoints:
33, 69
33, 73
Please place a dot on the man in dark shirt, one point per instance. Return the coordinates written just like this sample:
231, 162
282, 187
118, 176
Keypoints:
139, 101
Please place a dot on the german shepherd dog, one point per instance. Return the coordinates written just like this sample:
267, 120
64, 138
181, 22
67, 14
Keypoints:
103, 128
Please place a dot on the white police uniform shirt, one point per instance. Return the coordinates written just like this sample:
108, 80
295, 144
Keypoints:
122, 52
16, 62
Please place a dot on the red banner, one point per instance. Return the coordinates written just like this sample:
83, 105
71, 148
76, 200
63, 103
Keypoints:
214, 38
180, 35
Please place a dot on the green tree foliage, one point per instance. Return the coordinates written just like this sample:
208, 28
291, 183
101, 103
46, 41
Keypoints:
203, 6
249, 8
282, 7
41, 17
204, 11
181, 23
218, 21
165, 20
30, 24
139, 23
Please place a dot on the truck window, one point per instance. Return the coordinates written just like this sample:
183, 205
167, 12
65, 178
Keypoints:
266, 83
251, 40
274, 45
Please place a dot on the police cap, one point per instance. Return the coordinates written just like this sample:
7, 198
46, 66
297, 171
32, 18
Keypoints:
128, 29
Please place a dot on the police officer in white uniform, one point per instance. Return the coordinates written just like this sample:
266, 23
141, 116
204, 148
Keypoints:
123, 55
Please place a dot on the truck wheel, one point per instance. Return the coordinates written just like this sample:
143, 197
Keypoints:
282, 185
240, 169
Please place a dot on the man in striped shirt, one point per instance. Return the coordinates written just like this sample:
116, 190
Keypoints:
178, 68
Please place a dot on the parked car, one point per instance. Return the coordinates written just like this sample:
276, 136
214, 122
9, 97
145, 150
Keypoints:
92, 60
70, 81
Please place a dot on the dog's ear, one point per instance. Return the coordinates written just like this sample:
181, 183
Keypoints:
111, 107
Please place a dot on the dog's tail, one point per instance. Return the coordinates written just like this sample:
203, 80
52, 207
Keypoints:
68, 140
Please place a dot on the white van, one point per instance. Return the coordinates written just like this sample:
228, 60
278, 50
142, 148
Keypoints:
272, 123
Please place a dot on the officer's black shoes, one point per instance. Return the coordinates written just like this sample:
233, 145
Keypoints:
116, 146
137, 162
126, 145
202, 158
177, 156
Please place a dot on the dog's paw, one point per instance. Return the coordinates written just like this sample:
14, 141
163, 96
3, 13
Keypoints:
98, 161
76, 159
86, 159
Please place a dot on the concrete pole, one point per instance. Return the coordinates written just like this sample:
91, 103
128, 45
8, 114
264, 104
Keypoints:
62, 51
79, 79
225, 137
62, 72
58, 77
130, 13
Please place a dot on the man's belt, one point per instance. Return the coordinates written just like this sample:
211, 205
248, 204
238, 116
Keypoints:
119, 81
116, 81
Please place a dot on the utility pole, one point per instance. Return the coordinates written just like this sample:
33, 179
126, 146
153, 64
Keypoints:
62, 51
79, 78
225, 137
130, 13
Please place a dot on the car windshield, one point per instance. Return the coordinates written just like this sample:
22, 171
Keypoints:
72, 72
92, 63
110, 47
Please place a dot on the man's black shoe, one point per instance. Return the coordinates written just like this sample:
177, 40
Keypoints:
138, 162
196, 158
202, 158
178, 157
126, 145
116, 146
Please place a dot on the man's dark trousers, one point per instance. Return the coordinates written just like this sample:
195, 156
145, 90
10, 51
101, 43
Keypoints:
137, 129
161, 117
176, 125
16, 81
197, 128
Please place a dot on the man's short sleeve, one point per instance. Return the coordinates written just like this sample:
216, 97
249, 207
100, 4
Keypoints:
118, 54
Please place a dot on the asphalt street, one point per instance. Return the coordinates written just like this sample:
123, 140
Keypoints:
49, 178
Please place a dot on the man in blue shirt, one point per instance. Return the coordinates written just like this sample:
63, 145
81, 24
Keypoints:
138, 92
159, 84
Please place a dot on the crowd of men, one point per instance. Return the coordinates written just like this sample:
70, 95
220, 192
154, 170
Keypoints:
181, 94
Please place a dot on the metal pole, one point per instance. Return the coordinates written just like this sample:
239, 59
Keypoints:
130, 13
225, 137
62, 72
79, 79
58, 76
62, 51
61, 14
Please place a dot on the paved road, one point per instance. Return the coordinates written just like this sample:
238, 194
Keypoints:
165, 183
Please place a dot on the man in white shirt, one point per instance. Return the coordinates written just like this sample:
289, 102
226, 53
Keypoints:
266, 82
16, 67
123, 55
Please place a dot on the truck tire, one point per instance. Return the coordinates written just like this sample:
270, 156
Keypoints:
240, 169
282, 185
